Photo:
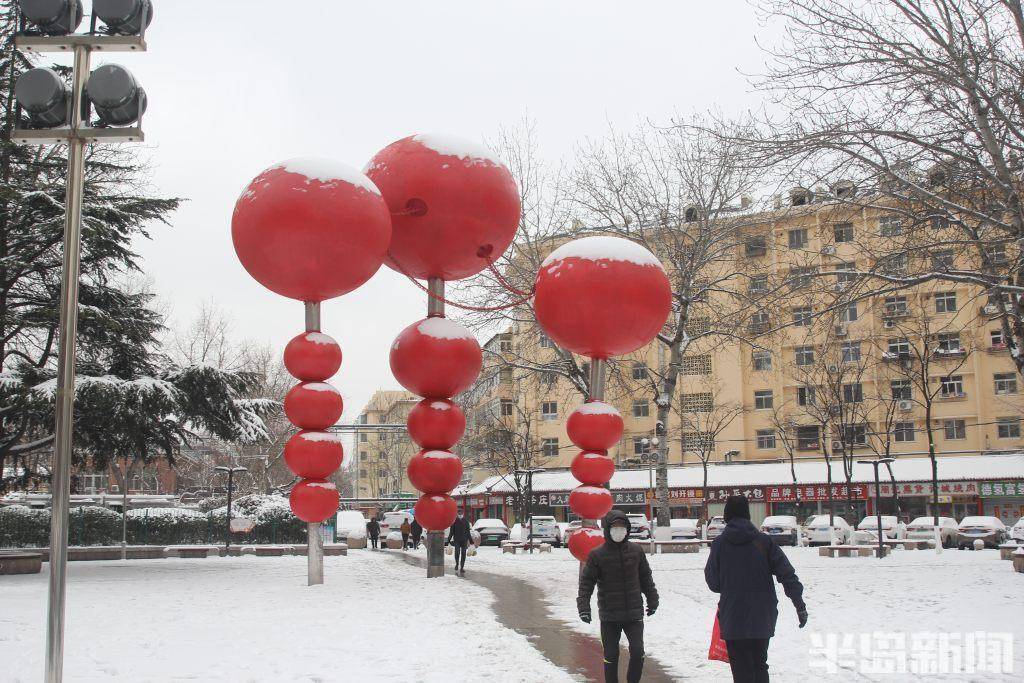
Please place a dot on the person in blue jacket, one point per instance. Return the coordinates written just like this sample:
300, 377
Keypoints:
740, 569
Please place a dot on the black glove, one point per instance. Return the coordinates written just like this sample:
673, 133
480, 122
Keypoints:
585, 617
801, 614
651, 609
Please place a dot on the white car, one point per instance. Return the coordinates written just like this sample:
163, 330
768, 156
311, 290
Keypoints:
684, 529
923, 529
1017, 532
892, 529
351, 525
783, 529
393, 521
817, 530
639, 527
544, 530
492, 531
989, 530
716, 525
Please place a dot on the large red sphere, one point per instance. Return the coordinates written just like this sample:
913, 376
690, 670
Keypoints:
594, 426
602, 296
436, 423
454, 205
313, 405
434, 471
311, 229
314, 455
583, 540
593, 468
590, 502
312, 357
435, 512
314, 500
436, 358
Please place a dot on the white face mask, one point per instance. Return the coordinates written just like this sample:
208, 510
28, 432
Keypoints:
618, 533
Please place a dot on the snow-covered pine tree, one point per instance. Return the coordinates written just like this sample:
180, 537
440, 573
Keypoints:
131, 399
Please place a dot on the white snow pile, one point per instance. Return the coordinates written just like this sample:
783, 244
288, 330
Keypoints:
451, 146
440, 405
320, 386
320, 338
320, 437
143, 385
443, 328
597, 408
322, 485
602, 248
326, 172
438, 455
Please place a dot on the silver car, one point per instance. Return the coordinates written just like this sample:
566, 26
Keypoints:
990, 530
1017, 532
923, 529
817, 530
716, 525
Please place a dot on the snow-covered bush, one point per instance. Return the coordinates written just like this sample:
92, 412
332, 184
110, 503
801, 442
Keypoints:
93, 525
24, 527
272, 514
167, 526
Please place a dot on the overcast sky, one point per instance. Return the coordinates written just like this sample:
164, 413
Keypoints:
237, 85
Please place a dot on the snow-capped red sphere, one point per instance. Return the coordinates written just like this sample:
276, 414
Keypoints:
593, 468
433, 471
436, 423
314, 455
312, 357
454, 205
436, 358
435, 512
313, 405
311, 229
602, 296
594, 426
314, 500
583, 540
590, 502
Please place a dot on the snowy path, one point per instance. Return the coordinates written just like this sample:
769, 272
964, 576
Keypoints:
912, 592
254, 619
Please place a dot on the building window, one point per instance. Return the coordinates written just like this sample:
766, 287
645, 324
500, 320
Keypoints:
899, 348
902, 390
949, 342
507, 407
945, 302
549, 410
942, 259
854, 435
363, 474
807, 438
1005, 382
758, 284
846, 275
800, 278
894, 264
996, 254
763, 400
938, 221
639, 447
381, 474
806, 396
804, 355
766, 439
545, 342
697, 403
641, 408
848, 313
639, 371
762, 360
853, 393
952, 386
549, 448
802, 316
954, 430
843, 232
759, 322
895, 306
755, 246
851, 352
797, 238
1008, 428
363, 437
903, 431
890, 226
505, 376
997, 339
696, 365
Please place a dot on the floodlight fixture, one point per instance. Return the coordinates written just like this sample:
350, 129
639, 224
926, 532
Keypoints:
53, 17
124, 17
115, 95
44, 96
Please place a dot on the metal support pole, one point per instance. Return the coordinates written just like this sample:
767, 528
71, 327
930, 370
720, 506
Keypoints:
124, 513
435, 539
227, 522
435, 297
596, 394
60, 484
314, 541
878, 513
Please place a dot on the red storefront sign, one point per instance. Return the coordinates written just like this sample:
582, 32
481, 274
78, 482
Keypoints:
815, 492
947, 488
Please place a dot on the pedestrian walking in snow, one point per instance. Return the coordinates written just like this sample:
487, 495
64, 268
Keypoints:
622, 575
406, 529
740, 568
458, 536
373, 531
417, 534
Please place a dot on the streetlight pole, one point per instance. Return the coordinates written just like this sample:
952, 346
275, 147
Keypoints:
529, 500
878, 489
231, 481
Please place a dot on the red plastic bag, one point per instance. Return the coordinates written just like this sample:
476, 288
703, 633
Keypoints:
717, 650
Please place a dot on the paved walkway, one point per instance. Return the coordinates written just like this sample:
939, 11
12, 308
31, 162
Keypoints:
520, 606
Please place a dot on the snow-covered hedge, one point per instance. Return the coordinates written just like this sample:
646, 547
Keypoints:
22, 526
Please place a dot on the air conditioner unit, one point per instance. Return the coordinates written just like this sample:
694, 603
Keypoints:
828, 250
833, 368
837, 445
888, 324
841, 330
906, 406
990, 309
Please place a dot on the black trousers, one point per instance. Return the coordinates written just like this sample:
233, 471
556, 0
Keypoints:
374, 540
748, 660
611, 632
416, 540
405, 541
460, 551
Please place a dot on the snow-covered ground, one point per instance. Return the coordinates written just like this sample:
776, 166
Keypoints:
860, 609
254, 619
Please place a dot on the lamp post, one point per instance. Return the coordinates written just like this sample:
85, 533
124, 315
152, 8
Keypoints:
878, 510
231, 482
650, 456
529, 499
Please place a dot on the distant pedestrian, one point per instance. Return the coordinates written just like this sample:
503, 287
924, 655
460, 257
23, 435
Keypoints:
459, 536
406, 529
623, 578
740, 568
373, 531
417, 534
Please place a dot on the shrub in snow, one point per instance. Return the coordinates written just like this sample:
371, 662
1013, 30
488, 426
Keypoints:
24, 527
167, 526
93, 525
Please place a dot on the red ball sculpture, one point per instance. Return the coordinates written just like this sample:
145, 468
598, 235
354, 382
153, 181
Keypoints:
590, 502
434, 471
436, 423
311, 229
454, 205
313, 405
593, 468
602, 296
436, 358
595, 426
314, 455
314, 500
435, 512
583, 540
312, 357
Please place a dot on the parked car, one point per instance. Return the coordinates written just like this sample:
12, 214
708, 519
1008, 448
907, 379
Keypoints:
639, 527
573, 526
684, 529
892, 529
783, 529
351, 524
492, 531
923, 528
991, 530
816, 529
544, 530
1017, 532
716, 525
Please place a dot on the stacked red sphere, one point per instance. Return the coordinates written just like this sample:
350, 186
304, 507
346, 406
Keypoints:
594, 427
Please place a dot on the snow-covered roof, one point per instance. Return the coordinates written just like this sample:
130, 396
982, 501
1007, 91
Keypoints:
906, 469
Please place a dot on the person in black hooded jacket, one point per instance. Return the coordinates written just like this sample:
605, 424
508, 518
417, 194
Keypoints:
623, 578
740, 568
